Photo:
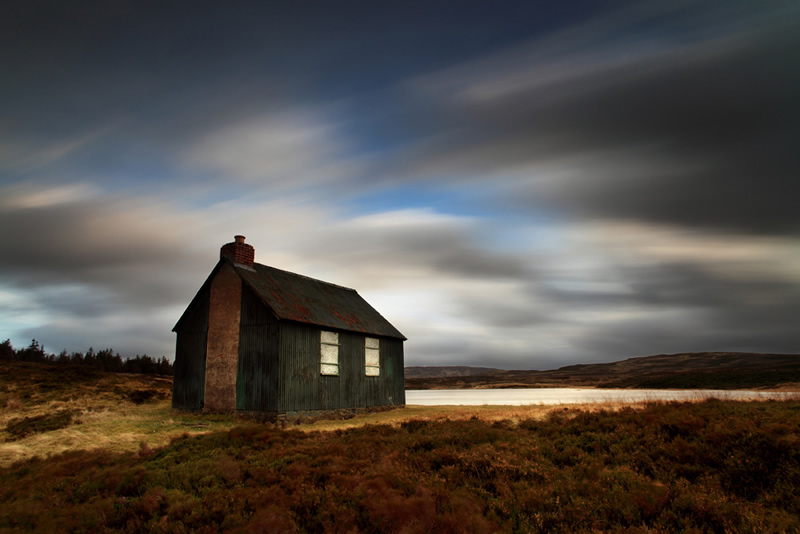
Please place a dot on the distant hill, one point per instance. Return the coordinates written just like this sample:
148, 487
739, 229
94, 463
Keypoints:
431, 371
694, 370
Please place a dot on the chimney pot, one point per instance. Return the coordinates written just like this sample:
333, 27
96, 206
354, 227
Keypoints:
238, 251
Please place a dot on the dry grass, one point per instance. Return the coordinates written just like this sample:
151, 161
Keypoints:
123, 427
493, 413
120, 428
714, 466
485, 413
105, 416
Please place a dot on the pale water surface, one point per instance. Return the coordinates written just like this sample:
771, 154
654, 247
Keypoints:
517, 397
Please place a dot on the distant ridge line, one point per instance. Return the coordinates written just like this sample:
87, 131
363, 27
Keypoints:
429, 371
683, 370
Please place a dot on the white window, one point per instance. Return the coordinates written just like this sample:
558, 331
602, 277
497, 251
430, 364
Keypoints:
329, 353
372, 356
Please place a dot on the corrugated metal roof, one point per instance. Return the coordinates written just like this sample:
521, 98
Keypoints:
306, 300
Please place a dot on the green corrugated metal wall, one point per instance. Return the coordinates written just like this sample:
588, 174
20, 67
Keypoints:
189, 370
302, 387
257, 379
279, 365
393, 362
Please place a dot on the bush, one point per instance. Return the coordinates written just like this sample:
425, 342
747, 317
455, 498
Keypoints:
22, 427
706, 467
140, 396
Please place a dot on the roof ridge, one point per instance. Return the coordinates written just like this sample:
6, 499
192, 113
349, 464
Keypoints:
306, 277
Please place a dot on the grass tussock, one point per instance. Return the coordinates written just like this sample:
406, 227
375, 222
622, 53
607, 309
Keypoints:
713, 466
25, 426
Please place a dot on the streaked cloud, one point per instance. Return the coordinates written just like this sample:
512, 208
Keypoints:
523, 187
280, 151
687, 127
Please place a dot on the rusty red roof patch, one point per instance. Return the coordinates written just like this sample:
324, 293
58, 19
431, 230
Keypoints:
299, 298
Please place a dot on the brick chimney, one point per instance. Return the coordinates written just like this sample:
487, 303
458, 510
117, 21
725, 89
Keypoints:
238, 251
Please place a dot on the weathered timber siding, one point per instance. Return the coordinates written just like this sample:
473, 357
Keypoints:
222, 346
303, 388
257, 380
189, 370
393, 370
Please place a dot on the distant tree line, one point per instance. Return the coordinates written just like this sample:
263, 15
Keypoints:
105, 360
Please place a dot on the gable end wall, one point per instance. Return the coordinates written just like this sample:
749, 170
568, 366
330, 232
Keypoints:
189, 369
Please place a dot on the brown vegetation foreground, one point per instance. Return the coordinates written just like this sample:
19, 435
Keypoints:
714, 466
710, 466
46, 410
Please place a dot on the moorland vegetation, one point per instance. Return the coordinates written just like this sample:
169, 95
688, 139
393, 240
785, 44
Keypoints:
48, 408
709, 466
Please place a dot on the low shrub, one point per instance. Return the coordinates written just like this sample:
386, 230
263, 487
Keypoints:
22, 427
706, 467
140, 396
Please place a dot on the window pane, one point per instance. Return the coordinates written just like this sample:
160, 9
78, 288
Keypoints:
330, 337
328, 369
329, 354
373, 357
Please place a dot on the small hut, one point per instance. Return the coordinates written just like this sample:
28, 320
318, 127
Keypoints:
260, 339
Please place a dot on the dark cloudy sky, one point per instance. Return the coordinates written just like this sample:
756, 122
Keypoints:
515, 184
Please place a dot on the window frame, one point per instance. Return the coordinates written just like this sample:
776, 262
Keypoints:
372, 366
328, 367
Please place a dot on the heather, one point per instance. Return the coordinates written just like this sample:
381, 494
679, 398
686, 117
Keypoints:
712, 466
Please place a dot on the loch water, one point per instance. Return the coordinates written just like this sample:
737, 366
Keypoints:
518, 397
